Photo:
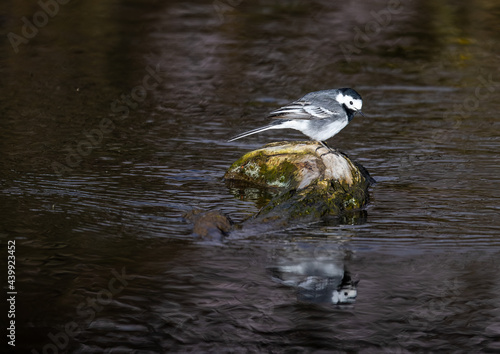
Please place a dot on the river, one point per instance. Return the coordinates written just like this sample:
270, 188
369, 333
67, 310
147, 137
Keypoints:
114, 122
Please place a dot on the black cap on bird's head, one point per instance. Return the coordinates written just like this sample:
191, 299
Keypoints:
350, 92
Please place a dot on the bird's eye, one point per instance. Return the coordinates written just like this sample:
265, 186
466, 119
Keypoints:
350, 103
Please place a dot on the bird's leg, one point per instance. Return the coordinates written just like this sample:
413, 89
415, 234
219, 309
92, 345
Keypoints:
323, 143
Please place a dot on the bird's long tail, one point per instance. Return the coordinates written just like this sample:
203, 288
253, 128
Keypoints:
254, 131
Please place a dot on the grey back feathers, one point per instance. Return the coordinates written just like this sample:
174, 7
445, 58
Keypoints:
319, 115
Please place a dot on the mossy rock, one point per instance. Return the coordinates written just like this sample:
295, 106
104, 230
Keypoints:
313, 182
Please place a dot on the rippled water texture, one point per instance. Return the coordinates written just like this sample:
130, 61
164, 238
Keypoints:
114, 120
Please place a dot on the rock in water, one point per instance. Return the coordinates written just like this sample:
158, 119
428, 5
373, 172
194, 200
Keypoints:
313, 182
209, 225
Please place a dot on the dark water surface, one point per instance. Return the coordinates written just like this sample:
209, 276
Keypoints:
114, 120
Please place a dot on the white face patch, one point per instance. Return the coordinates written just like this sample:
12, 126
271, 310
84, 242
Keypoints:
352, 103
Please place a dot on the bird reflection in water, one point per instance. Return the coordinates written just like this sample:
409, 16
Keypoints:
317, 281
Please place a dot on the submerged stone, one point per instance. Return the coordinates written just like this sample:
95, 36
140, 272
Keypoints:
313, 182
209, 225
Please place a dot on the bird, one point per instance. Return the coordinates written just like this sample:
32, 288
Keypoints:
319, 115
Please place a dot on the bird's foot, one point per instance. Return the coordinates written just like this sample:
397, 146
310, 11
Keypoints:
324, 145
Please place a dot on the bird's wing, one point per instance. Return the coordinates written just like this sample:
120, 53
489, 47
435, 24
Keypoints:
301, 110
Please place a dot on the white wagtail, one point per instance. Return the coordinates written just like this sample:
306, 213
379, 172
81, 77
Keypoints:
319, 115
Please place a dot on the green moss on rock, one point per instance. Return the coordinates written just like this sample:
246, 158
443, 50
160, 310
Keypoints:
313, 182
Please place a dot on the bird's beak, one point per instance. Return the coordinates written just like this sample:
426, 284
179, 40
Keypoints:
360, 113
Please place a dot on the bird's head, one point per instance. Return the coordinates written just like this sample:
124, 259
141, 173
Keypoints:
351, 100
